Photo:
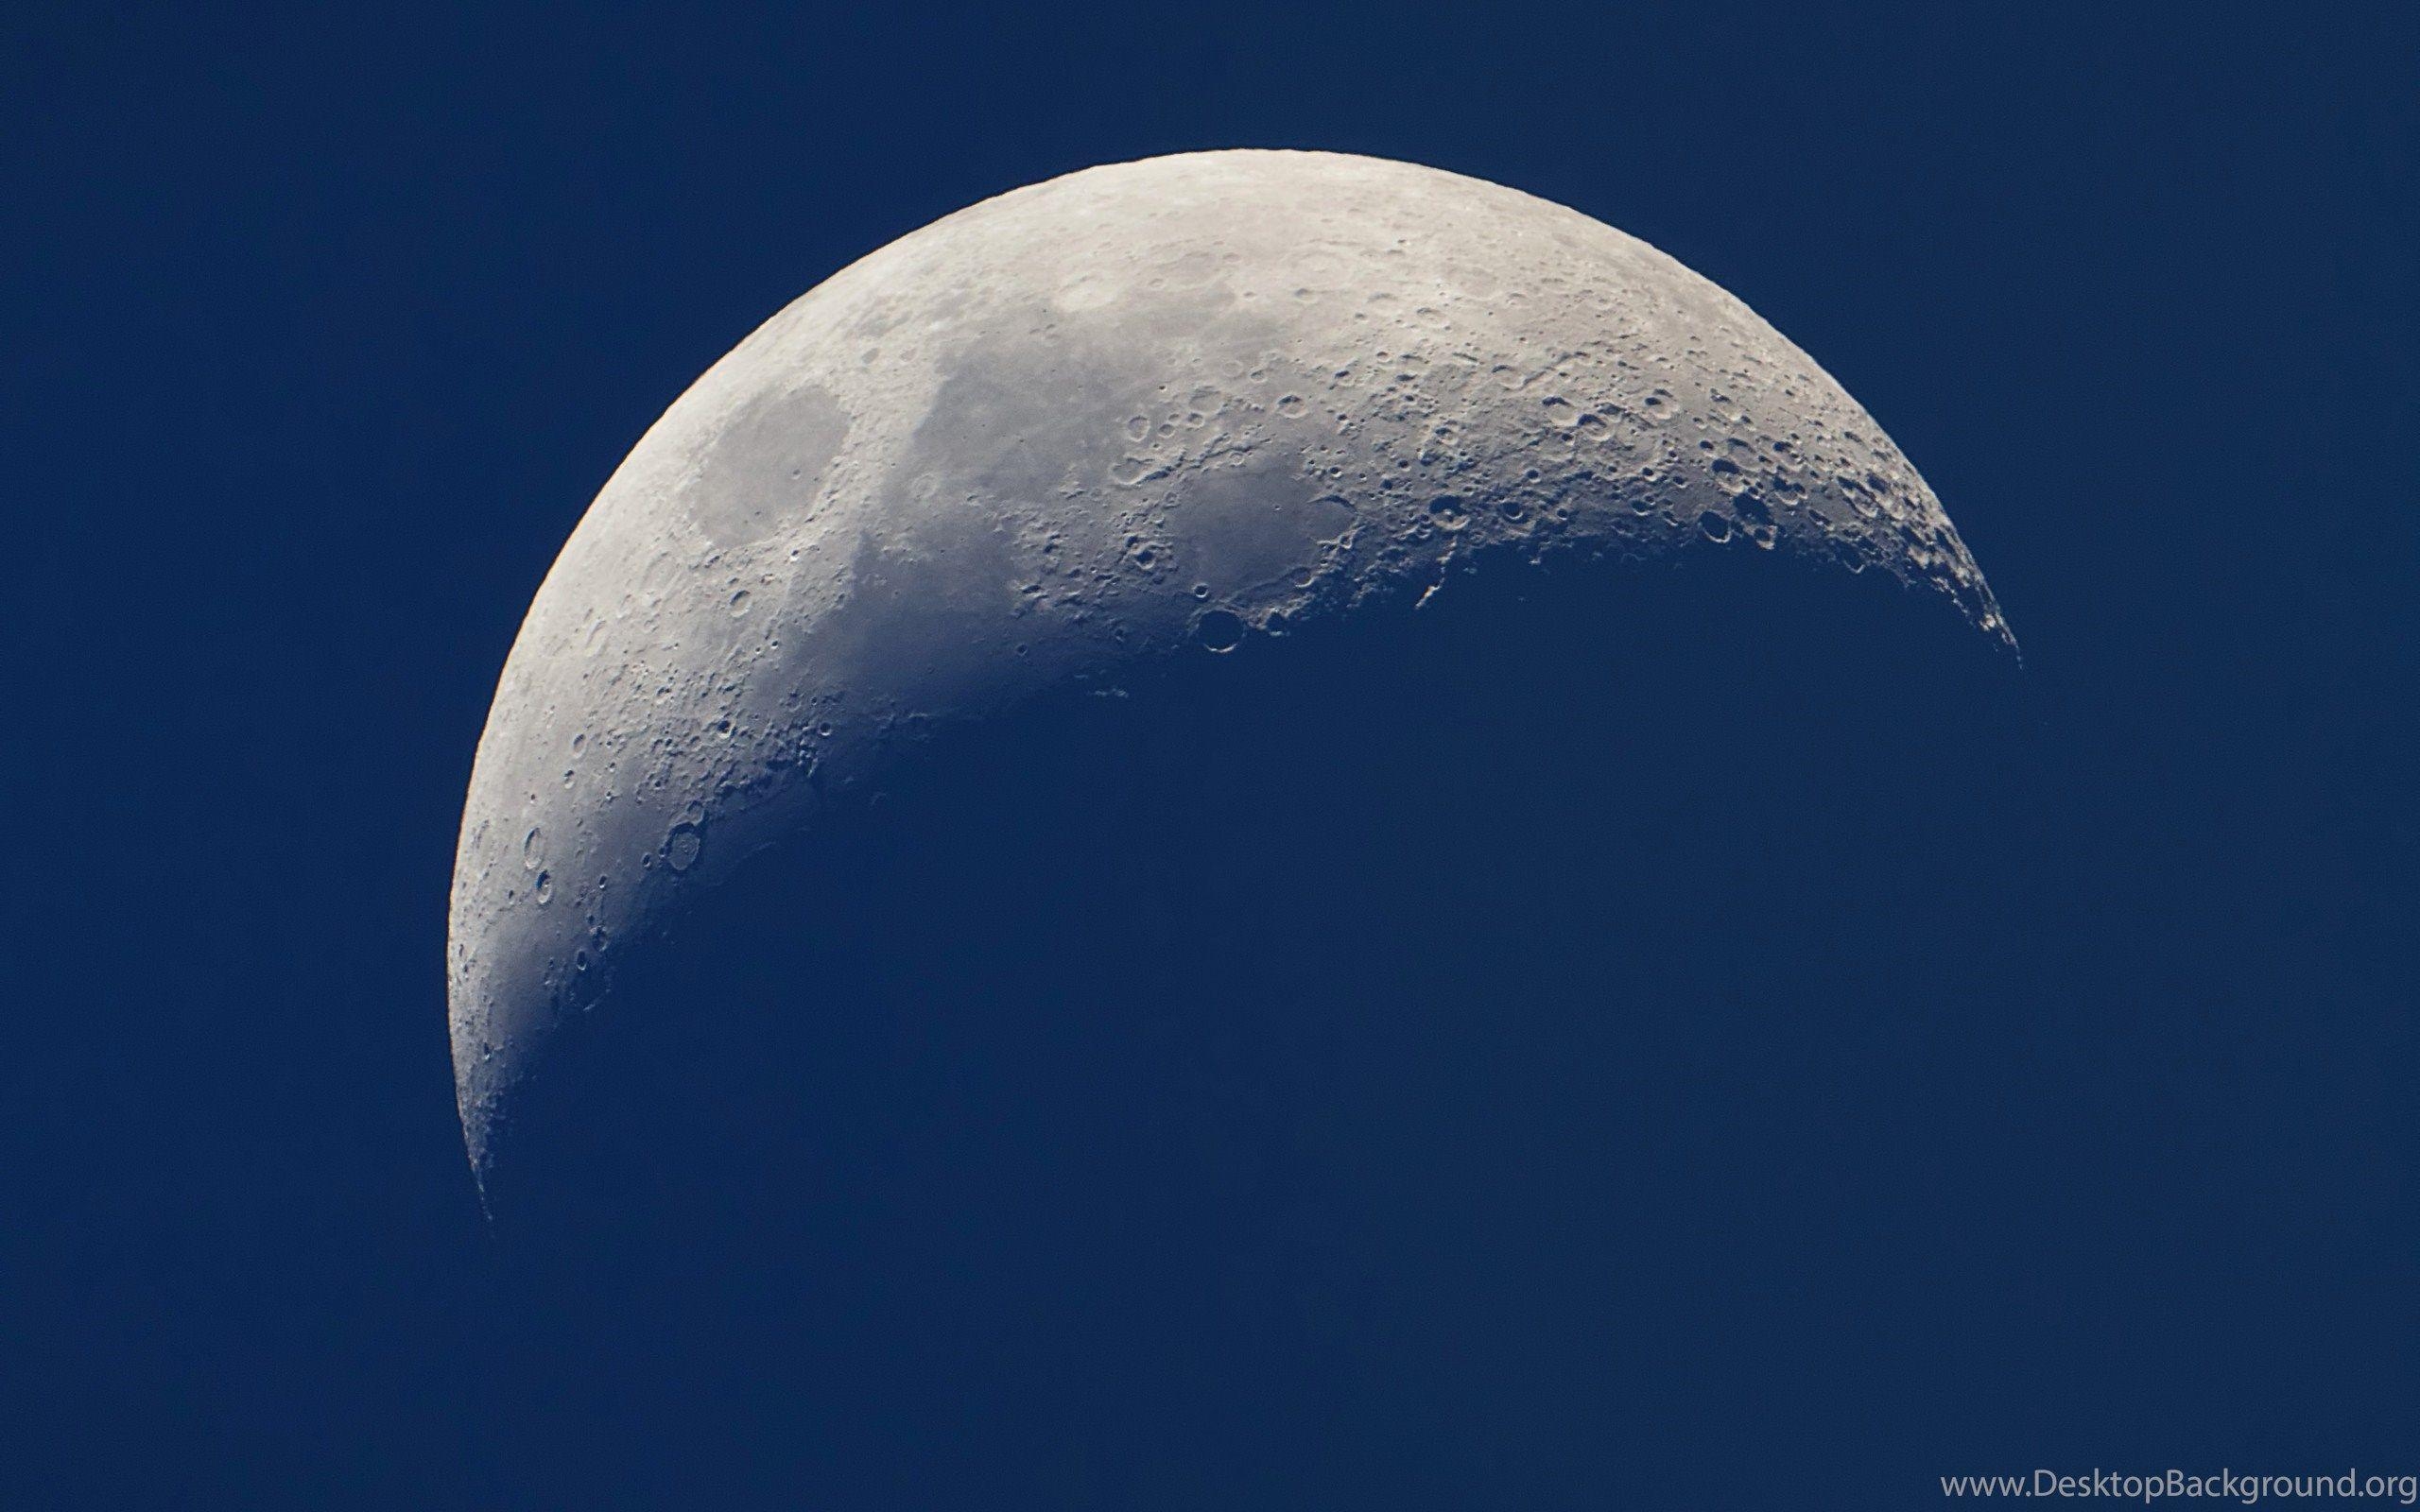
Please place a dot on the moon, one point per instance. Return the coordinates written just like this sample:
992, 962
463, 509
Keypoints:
1178, 407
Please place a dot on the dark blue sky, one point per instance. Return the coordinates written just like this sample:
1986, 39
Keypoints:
324, 328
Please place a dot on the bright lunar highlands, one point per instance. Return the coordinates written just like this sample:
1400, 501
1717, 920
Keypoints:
1166, 409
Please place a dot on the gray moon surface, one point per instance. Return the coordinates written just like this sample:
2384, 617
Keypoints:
1157, 409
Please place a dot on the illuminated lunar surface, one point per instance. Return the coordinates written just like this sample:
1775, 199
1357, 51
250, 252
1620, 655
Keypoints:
1152, 411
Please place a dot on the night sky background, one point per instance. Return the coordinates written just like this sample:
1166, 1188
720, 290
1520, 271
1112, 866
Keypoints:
325, 326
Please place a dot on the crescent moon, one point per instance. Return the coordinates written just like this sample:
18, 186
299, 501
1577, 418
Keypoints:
1145, 411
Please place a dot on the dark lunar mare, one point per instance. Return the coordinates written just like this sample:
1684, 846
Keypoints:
1527, 1050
